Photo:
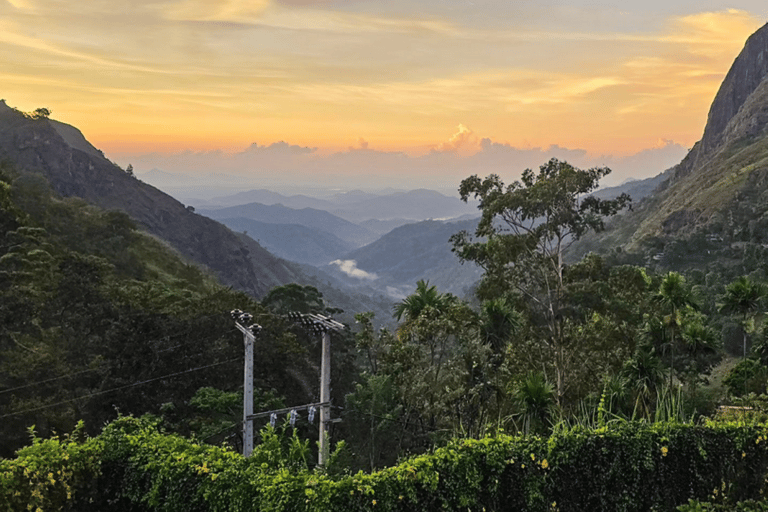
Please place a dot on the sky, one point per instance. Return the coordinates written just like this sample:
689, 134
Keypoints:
356, 93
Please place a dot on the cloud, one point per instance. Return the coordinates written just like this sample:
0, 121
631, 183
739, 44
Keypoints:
206, 10
349, 267
277, 148
464, 138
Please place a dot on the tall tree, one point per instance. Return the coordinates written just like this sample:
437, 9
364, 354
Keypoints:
521, 237
743, 297
675, 298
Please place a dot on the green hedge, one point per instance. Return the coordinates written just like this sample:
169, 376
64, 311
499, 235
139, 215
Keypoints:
625, 467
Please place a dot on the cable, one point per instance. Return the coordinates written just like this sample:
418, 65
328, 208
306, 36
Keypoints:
51, 379
106, 365
404, 423
118, 388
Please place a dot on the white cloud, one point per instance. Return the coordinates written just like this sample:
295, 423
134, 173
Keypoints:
349, 267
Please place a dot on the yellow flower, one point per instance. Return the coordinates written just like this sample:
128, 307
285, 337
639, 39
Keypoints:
544, 464
522, 466
743, 454
664, 451
533, 457
373, 501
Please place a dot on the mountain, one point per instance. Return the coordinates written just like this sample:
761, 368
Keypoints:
415, 205
421, 250
293, 242
309, 217
73, 167
717, 191
59, 156
637, 189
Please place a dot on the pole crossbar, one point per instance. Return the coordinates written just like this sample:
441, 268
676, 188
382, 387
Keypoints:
288, 409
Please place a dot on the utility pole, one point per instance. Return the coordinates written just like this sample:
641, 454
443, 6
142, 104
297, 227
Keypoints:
325, 397
323, 325
249, 339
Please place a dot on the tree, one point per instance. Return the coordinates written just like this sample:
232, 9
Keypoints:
425, 296
675, 298
521, 237
41, 113
743, 297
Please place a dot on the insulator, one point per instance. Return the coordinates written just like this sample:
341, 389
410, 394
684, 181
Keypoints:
235, 313
293, 417
272, 419
311, 415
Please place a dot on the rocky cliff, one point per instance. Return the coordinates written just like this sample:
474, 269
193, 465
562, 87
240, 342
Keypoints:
719, 171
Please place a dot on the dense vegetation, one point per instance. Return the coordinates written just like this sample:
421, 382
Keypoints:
98, 318
609, 361
617, 467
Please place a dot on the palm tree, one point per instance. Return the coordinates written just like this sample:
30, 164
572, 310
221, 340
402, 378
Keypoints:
425, 296
743, 297
535, 397
644, 374
674, 297
498, 320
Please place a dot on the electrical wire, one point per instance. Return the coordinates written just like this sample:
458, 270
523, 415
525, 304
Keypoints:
107, 365
134, 384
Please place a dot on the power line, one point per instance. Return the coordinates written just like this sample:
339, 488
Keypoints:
52, 379
108, 365
118, 388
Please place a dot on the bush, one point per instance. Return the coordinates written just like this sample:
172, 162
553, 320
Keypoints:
624, 467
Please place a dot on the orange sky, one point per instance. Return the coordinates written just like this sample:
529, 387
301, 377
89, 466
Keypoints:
173, 75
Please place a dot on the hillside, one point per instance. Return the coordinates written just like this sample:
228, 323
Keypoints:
74, 168
292, 242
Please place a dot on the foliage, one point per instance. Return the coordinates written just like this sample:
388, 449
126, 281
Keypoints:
524, 230
620, 467
96, 317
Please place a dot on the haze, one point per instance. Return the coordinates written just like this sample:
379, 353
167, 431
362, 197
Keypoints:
356, 94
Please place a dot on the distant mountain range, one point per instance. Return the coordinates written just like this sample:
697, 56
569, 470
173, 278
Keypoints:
319, 220
356, 206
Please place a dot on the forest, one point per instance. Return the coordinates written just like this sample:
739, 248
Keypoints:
121, 370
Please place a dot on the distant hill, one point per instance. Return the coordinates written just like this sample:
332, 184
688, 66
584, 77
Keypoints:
309, 217
637, 189
418, 251
293, 242
268, 197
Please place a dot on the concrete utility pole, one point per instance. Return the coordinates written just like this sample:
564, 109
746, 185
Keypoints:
325, 397
323, 325
249, 339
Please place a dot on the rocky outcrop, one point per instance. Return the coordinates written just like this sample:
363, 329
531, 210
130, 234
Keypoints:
746, 76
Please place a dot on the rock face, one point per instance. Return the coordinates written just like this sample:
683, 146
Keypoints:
724, 166
74, 167
746, 76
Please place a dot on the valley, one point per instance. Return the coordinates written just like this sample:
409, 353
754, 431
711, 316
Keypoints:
536, 343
